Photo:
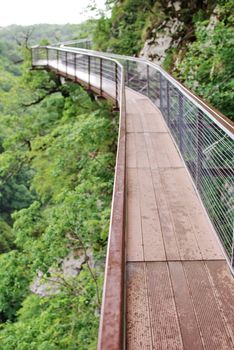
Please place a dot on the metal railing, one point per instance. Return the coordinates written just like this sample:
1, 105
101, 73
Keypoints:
79, 43
105, 76
95, 70
204, 137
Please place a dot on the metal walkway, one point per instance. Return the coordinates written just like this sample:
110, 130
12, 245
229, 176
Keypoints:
168, 284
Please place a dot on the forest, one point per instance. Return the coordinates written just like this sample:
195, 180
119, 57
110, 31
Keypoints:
57, 160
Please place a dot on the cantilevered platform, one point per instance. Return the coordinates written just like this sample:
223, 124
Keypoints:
178, 287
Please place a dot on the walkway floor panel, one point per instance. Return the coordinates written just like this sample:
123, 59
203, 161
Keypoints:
179, 305
138, 322
180, 293
179, 290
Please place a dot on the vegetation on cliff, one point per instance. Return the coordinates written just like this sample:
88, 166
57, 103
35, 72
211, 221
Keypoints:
57, 158
193, 40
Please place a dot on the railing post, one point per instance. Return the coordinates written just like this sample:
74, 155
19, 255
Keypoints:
181, 121
232, 257
100, 76
32, 55
47, 57
66, 62
116, 86
148, 83
168, 101
199, 127
89, 72
127, 72
161, 94
75, 66
57, 58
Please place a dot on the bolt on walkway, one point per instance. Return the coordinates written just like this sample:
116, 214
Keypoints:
180, 292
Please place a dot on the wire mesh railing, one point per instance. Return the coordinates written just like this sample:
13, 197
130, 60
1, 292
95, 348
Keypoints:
101, 72
208, 151
204, 137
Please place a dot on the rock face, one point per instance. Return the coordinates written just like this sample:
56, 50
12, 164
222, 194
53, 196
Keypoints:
163, 36
71, 266
176, 29
155, 49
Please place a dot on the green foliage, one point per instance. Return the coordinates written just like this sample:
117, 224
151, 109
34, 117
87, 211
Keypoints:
207, 67
201, 55
63, 321
57, 158
14, 280
13, 34
6, 237
122, 32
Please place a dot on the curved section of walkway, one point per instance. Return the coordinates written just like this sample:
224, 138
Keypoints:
179, 289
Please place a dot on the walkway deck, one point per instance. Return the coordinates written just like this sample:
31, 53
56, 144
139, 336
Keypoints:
180, 292
179, 289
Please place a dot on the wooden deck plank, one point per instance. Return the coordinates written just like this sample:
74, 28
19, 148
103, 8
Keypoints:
208, 313
153, 122
153, 156
160, 152
132, 106
186, 239
145, 105
223, 283
151, 229
187, 318
207, 241
138, 322
173, 154
131, 159
163, 316
141, 151
167, 225
130, 122
137, 122
189, 307
165, 150
134, 232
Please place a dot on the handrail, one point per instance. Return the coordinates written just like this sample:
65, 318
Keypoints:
204, 137
85, 68
214, 113
196, 126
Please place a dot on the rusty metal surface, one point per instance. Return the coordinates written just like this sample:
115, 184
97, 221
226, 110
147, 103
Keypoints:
209, 315
180, 305
223, 283
187, 318
163, 314
151, 228
133, 218
112, 315
138, 320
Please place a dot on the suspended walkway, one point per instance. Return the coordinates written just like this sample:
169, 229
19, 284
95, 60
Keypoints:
168, 281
